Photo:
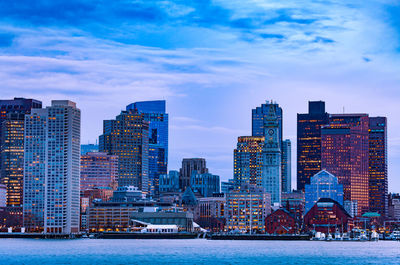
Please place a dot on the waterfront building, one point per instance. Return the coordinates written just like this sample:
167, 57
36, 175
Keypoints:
271, 157
127, 194
378, 165
206, 184
210, 213
154, 112
10, 216
51, 168
86, 148
309, 142
169, 182
227, 186
246, 209
116, 216
3, 195
286, 165
345, 152
323, 185
98, 170
281, 222
184, 220
328, 216
12, 115
294, 203
394, 206
351, 207
188, 166
100, 194
128, 138
247, 161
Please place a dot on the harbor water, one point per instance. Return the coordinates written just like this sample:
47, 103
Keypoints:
195, 251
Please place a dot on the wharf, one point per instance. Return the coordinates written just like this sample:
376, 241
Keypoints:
259, 237
126, 235
39, 235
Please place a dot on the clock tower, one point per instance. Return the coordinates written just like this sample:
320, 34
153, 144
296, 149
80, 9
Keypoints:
271, 154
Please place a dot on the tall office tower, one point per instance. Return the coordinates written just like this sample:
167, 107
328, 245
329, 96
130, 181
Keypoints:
98, 170
154, 113
309, 142
188, 166
378, 165
51, 168
247, 162
286, 166
128, 138
271, 155
12, 113
344, 149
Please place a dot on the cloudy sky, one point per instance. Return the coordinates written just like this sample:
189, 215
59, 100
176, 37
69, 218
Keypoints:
213, 61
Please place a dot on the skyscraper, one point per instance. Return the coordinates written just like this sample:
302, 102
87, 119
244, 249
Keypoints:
128, 138
247, 161
286, 166
154, 113
188, 166
12, 115
51, 168
344, 149
378, 165
271, 155
98, 170
309, 142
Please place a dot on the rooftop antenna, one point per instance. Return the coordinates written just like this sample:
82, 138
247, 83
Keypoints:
343, 109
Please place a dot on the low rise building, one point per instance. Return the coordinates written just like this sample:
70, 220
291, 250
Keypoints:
326, 216
281, 222
246, 209
210, 213
127, 194
184, 220
294, 203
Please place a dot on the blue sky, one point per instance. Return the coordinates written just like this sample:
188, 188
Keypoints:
213, 61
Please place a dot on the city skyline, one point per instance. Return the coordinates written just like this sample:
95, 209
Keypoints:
213, 63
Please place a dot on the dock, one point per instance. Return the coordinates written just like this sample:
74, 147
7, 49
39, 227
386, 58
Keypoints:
259, 237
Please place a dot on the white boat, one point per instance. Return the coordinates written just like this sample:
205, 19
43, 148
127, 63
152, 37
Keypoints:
329, 237
374, 236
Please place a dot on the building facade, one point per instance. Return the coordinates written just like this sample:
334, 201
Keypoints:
12, 119
210, 213
52, 169
246, 209
206, 184
128, 138
286, 166
271, 157
155, 113
345, 152
98, 170
309, 142
169, 182
378, 166
281, 222
247, 160
188, 166
86, 148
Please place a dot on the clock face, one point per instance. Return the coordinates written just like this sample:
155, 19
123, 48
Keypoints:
270, 132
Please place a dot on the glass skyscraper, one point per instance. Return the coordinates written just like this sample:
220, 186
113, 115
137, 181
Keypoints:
128, 138
378, 165
345, 152
309, 142
155, 113
286, 166
12, 115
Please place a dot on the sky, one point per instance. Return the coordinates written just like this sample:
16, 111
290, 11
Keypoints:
212, 61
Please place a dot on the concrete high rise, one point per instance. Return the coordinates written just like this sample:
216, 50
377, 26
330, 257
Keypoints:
12, 115
345, 152
51, 168
128, 138
286, 166
271, 155
247, 160
154, 112
378, 165
309, 142
188, 166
